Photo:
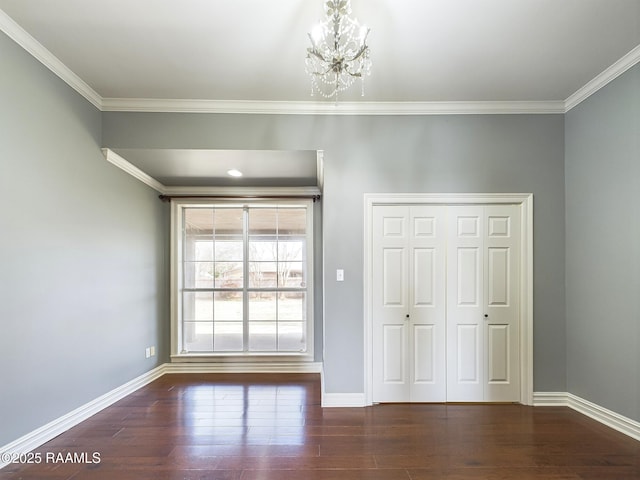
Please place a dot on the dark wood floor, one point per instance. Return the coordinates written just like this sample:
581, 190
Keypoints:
250, 427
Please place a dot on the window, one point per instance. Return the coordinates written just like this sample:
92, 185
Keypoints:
243, 279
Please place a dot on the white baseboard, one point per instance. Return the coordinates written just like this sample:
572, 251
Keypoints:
331, 400
342, 399
60, 425
603, 415
550, 399
611, 419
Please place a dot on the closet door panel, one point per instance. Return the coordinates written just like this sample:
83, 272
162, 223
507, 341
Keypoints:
502, 312
465, 282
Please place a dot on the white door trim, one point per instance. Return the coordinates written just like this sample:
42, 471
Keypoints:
525, 200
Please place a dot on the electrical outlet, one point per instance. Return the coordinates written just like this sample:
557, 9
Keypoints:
340, 275
152, 350
147, 352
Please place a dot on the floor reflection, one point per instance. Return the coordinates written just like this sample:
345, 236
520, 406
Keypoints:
243, 415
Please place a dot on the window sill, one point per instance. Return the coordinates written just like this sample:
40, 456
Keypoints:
241, 358
206, 363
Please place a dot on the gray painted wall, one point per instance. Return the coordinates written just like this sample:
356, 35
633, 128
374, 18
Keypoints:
603, 246
445, 154
82, 254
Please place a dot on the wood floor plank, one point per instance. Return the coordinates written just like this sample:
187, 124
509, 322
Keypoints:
325, 475
299, 463
516, 473
272, 426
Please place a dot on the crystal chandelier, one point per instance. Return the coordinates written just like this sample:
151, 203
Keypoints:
339, 53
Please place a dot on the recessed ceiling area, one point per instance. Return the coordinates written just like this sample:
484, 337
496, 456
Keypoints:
209, 168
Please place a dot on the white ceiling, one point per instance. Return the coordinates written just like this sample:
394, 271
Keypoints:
239, 51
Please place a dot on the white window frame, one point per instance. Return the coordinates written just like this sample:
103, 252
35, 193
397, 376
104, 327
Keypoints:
177, 207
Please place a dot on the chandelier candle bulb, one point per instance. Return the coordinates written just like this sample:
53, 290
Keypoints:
339, 53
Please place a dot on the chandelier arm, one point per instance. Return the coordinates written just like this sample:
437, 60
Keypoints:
360, 52
352, 73
313, 43
318, 55
322, 72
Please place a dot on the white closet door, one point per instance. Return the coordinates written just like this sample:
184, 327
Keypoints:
502, 264
465, 346
482, 309
390, 303
427, 299
408, 304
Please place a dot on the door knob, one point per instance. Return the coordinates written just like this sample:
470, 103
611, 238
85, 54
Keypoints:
486, 315
406, 317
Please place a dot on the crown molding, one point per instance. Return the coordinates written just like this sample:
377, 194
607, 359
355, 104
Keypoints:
248, 192
48, 59
44, 56
327, 108
608, 75
117, 160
